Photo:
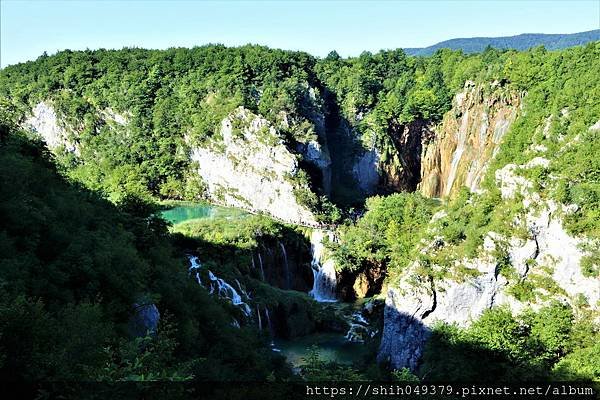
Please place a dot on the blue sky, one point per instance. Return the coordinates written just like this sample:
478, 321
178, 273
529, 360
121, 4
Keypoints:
29, 28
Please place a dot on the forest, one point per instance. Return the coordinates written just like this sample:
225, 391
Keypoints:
83, 247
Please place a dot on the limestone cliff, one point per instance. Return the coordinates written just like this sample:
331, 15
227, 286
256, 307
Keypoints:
44, 122
56, 133
252, 169
248, 166
460, 147
549, 257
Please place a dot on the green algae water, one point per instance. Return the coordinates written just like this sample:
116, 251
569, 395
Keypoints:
182, 212
331, 347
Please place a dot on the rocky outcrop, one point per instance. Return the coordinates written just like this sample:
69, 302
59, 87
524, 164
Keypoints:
251, 168
44, 122
366, 171
283, 264
56, 133
468, 137
549, 258
145, 319
400, 169
402, 173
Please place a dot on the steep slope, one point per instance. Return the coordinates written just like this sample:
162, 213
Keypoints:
147, 117
96, 292
252, 169
528, 236
470, 134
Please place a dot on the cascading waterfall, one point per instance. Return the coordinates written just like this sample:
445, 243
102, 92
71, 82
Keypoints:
359, 329
259, 319
218, 285
286, 266
195, 266
457, 155
260, 263
225, 290
324, 276
269, 322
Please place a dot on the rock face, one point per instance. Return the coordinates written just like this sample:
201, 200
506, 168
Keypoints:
286, 266
466, 140
548, 255
144, 320
252, 169
403, 173
58, 135
44, 122
366, 171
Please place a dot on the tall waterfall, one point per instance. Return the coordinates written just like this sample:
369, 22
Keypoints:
286, 266
260, 263
269, 322
324, 277
259, 319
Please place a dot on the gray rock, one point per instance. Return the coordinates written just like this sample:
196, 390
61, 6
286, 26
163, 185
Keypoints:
145, 319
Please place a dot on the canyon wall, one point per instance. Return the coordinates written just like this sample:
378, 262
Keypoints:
252, 169
459, 149
549, 259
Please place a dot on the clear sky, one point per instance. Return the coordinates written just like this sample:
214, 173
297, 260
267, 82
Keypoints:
29, 28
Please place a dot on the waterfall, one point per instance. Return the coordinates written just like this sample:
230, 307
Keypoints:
194, 268
225, 290
286, 266
324, 277
242, 291
269, 322
262, 271
359, 329
458, 153
259, 320
222, 288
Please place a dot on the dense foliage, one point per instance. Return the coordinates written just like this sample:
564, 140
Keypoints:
535, 346
72, 266
169, 99
387, 234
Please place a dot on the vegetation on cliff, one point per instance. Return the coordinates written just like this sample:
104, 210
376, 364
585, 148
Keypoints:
72, 267
69, 284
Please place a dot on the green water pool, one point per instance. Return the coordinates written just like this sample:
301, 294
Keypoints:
331, 346
181, 212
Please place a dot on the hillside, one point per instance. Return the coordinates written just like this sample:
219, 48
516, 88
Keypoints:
449, 203
97, 291
523, 41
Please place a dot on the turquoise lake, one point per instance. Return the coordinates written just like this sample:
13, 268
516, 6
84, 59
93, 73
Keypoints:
189, 211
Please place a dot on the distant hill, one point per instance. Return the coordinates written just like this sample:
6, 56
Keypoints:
518, 42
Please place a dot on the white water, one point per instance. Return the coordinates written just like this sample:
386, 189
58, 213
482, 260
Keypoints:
259, 319
269, 322
227, 291
359, 329
286, 266
195, 266
324, 277
218, 285
262, 271
458, 153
